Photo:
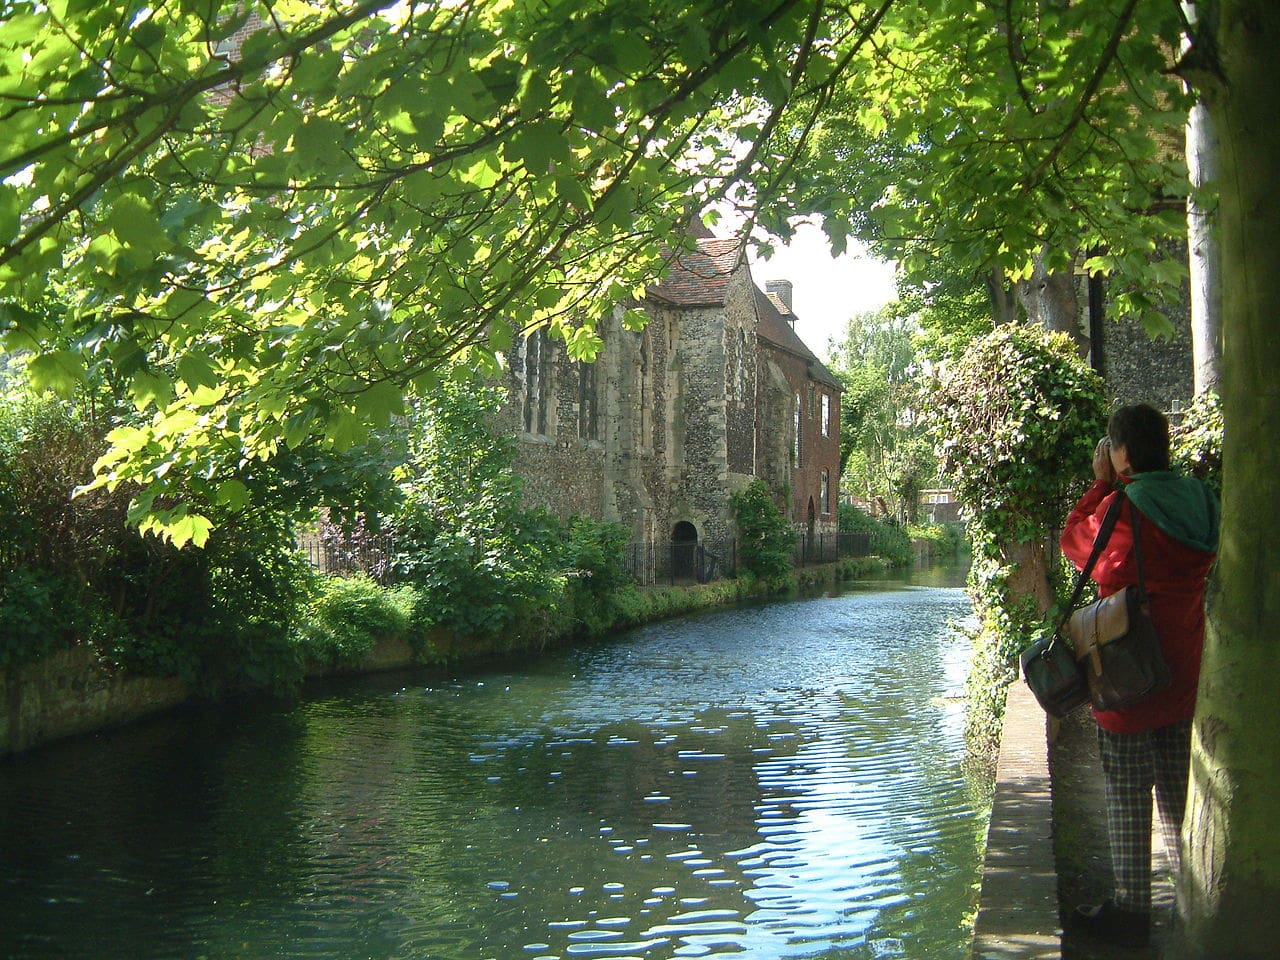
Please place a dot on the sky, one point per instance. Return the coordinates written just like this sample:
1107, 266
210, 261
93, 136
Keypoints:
827, 291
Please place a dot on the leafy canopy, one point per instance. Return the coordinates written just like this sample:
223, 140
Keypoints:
272, 221
986, 136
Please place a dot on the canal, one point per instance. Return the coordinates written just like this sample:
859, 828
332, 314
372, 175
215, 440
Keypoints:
772, 781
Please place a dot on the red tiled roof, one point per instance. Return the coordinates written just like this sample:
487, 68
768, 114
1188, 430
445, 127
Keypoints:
772, 327
700, 277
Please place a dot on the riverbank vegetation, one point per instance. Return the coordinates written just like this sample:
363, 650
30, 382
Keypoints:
439, 554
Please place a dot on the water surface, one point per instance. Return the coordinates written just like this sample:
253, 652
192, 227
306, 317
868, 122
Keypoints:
772, 781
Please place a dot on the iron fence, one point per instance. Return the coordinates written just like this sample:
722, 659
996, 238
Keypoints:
653, 563
814, 548
368, 555
648, 563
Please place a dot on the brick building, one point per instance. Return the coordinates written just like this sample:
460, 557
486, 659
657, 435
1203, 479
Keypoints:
668, 422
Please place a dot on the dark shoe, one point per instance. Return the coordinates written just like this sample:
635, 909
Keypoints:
1108, 923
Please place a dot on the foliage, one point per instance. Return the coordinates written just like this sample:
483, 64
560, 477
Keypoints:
883, 454
1013, 421
888, 540
462, 535
349, 615
947, 538
766, 541
984, 138
220, 617
34, 608
1196, 441
1015, 418
273, 242
594, 556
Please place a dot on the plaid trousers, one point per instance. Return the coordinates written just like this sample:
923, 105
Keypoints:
1133, 763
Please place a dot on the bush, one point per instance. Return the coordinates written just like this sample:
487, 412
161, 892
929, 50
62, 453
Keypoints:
594, 557
1015, 420
887, 540
349, 615
948, 539
766, 541
1196, 442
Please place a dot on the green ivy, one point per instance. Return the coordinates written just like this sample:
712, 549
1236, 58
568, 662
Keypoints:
1015, 421
1196, 442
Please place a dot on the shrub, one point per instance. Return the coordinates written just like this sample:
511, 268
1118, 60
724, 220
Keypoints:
887, 540
594, 556
766, 541
1015, 420
1197, 441
349, 615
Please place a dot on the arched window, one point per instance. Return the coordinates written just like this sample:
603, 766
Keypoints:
799, 416
588, 401
535, 374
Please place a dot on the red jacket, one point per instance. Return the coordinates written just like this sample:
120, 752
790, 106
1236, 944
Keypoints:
1175, 575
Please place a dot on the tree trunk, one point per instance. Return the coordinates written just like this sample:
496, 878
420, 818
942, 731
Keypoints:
1203, 245
1029, 572
1004, 304
1230, 886
1051, 300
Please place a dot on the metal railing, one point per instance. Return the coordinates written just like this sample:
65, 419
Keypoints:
648, 563
812, 548
653, 563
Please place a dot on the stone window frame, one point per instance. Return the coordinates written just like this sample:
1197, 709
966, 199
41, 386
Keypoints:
535, 382
824, 492
826, 414
588, 400
798, 423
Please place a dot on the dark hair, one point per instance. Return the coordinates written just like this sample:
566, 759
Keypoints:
1144, 433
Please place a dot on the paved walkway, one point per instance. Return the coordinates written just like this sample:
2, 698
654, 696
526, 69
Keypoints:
1018, 909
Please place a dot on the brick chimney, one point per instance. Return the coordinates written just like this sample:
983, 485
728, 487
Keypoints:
782, 289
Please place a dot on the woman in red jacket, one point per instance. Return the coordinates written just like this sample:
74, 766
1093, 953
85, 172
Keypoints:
1147, 745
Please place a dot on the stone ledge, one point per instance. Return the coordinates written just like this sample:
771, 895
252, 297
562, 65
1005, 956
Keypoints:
1018, 905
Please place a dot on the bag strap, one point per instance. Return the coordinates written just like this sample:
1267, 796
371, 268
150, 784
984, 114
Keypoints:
1099, 542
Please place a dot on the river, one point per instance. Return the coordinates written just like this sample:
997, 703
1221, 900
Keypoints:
772, 781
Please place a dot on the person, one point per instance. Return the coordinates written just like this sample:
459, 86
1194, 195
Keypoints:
1147, 745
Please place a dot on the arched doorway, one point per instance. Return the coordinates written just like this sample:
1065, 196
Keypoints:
684, 545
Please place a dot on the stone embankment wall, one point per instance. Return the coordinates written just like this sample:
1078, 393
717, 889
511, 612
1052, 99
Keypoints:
68, 693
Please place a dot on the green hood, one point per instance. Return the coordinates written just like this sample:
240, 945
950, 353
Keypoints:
1182, 507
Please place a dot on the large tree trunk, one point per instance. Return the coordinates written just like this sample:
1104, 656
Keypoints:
1203, 247
1051, 299
1229, 893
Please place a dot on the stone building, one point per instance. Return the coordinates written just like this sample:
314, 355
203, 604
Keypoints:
668, 422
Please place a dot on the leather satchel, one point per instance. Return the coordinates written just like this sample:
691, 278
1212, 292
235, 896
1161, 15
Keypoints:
1117, 644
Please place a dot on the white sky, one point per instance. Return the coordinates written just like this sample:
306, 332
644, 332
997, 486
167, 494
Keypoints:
827, 291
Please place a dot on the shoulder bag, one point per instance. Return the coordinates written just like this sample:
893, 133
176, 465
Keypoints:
1116, 641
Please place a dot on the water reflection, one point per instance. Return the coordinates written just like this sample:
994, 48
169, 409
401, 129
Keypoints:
776, 781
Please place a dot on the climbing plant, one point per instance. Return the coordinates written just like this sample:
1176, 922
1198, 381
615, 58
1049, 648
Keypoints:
1015, 421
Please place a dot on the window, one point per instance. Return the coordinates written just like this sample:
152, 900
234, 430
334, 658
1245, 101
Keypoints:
826, 415
535, 371
646, 390
742, 363
798, 417
825, 493
588, 401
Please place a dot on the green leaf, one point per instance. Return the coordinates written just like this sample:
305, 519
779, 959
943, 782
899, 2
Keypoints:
379, 402
135, 224
60, 371
195, 370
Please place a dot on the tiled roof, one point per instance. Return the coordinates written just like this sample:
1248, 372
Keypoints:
700, 277
773, 327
